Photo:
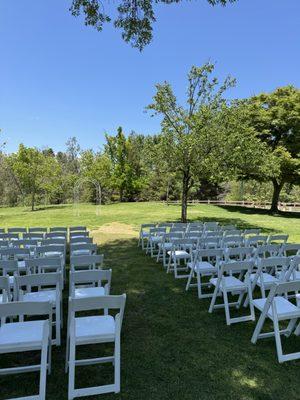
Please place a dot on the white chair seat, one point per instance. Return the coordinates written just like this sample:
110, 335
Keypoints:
231, 283
89, 292
81, 252
203, 266
155, 238
283, 306
53, 254
179, 254
166, 246
42, 295
267, 279
94, 328
11, 280
21, 265
18, 335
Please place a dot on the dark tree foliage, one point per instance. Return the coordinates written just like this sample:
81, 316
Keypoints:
135, 17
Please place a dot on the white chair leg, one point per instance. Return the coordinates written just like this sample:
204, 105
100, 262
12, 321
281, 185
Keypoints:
199, 285
117, 364
213, 300
258, 328
72, 351
43, 370
226, 306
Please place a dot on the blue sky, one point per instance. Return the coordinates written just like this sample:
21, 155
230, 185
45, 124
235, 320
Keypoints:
59, 78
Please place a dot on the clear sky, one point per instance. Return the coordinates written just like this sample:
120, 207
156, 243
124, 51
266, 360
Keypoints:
59, 78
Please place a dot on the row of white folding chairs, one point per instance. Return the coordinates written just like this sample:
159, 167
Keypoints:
203, 229
36, 335
174, 246
96, 325
41, 229
237, 271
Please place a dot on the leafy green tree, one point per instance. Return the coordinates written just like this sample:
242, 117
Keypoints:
189, 133
35, 172
135, 18
276, 119
97, 167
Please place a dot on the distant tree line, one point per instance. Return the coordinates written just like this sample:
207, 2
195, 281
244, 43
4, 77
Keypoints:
208, 148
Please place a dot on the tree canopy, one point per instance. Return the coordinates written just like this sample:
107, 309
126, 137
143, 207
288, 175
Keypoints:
135, 18
275, 118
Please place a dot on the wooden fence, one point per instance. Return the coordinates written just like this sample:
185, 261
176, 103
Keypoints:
294, 207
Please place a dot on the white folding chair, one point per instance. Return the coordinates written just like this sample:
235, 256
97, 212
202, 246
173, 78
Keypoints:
79, 228
232, 241
238, 253
226, 283
166, 245
181, 250
89, 330
290, 249
90, 283
9, 269
205, 263
277, 239
156, 236
81, 240
5, 294
267, 250
79, 234
257, 240
269, 271
144, 234
278, 308
211, 226
83, 249
48, 287
33, 236
24, 336
86, 262
251, 231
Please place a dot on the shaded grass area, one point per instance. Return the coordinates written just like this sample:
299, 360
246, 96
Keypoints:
171, 347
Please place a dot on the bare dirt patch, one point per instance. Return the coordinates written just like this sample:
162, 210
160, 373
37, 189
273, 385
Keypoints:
113, 231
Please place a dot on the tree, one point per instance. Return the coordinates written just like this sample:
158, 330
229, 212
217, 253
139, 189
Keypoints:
276, 119
189, 133
97, 167
135, 18
34, 171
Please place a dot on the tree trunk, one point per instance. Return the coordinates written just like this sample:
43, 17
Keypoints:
276, 193
184, 196
32, 200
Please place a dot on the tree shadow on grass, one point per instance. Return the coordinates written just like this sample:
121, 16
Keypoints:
251, 211
51, 207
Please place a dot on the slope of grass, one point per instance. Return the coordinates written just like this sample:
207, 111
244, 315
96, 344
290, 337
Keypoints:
171, 347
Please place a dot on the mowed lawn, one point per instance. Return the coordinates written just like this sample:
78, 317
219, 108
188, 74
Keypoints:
171, 347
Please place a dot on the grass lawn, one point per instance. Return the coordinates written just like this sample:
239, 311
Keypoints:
172, 349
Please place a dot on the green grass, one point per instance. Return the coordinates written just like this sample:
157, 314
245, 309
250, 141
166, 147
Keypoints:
172, 349
134, 214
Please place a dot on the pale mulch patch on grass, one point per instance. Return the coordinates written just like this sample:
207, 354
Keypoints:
113, 231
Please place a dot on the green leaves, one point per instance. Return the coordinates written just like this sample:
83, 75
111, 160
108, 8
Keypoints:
135, 17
